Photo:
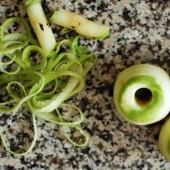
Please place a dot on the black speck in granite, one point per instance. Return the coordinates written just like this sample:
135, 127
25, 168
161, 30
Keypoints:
86, 167
106, 136
126, 14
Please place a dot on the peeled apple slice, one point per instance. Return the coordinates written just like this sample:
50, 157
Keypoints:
40, 25
80, 24
164, 139
142, 94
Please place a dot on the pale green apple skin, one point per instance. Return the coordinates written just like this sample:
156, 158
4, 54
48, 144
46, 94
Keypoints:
29, 3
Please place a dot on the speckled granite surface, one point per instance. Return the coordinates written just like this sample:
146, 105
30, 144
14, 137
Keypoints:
140, 33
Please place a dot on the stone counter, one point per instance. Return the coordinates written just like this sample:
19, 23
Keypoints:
140, 33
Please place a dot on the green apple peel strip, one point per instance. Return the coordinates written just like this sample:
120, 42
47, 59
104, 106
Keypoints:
65, 72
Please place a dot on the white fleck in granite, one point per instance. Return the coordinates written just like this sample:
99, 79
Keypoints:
140, 33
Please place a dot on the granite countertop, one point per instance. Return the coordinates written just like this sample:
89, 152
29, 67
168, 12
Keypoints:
140, 33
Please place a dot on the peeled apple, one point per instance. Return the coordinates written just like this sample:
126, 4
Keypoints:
142, 94
164, 139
